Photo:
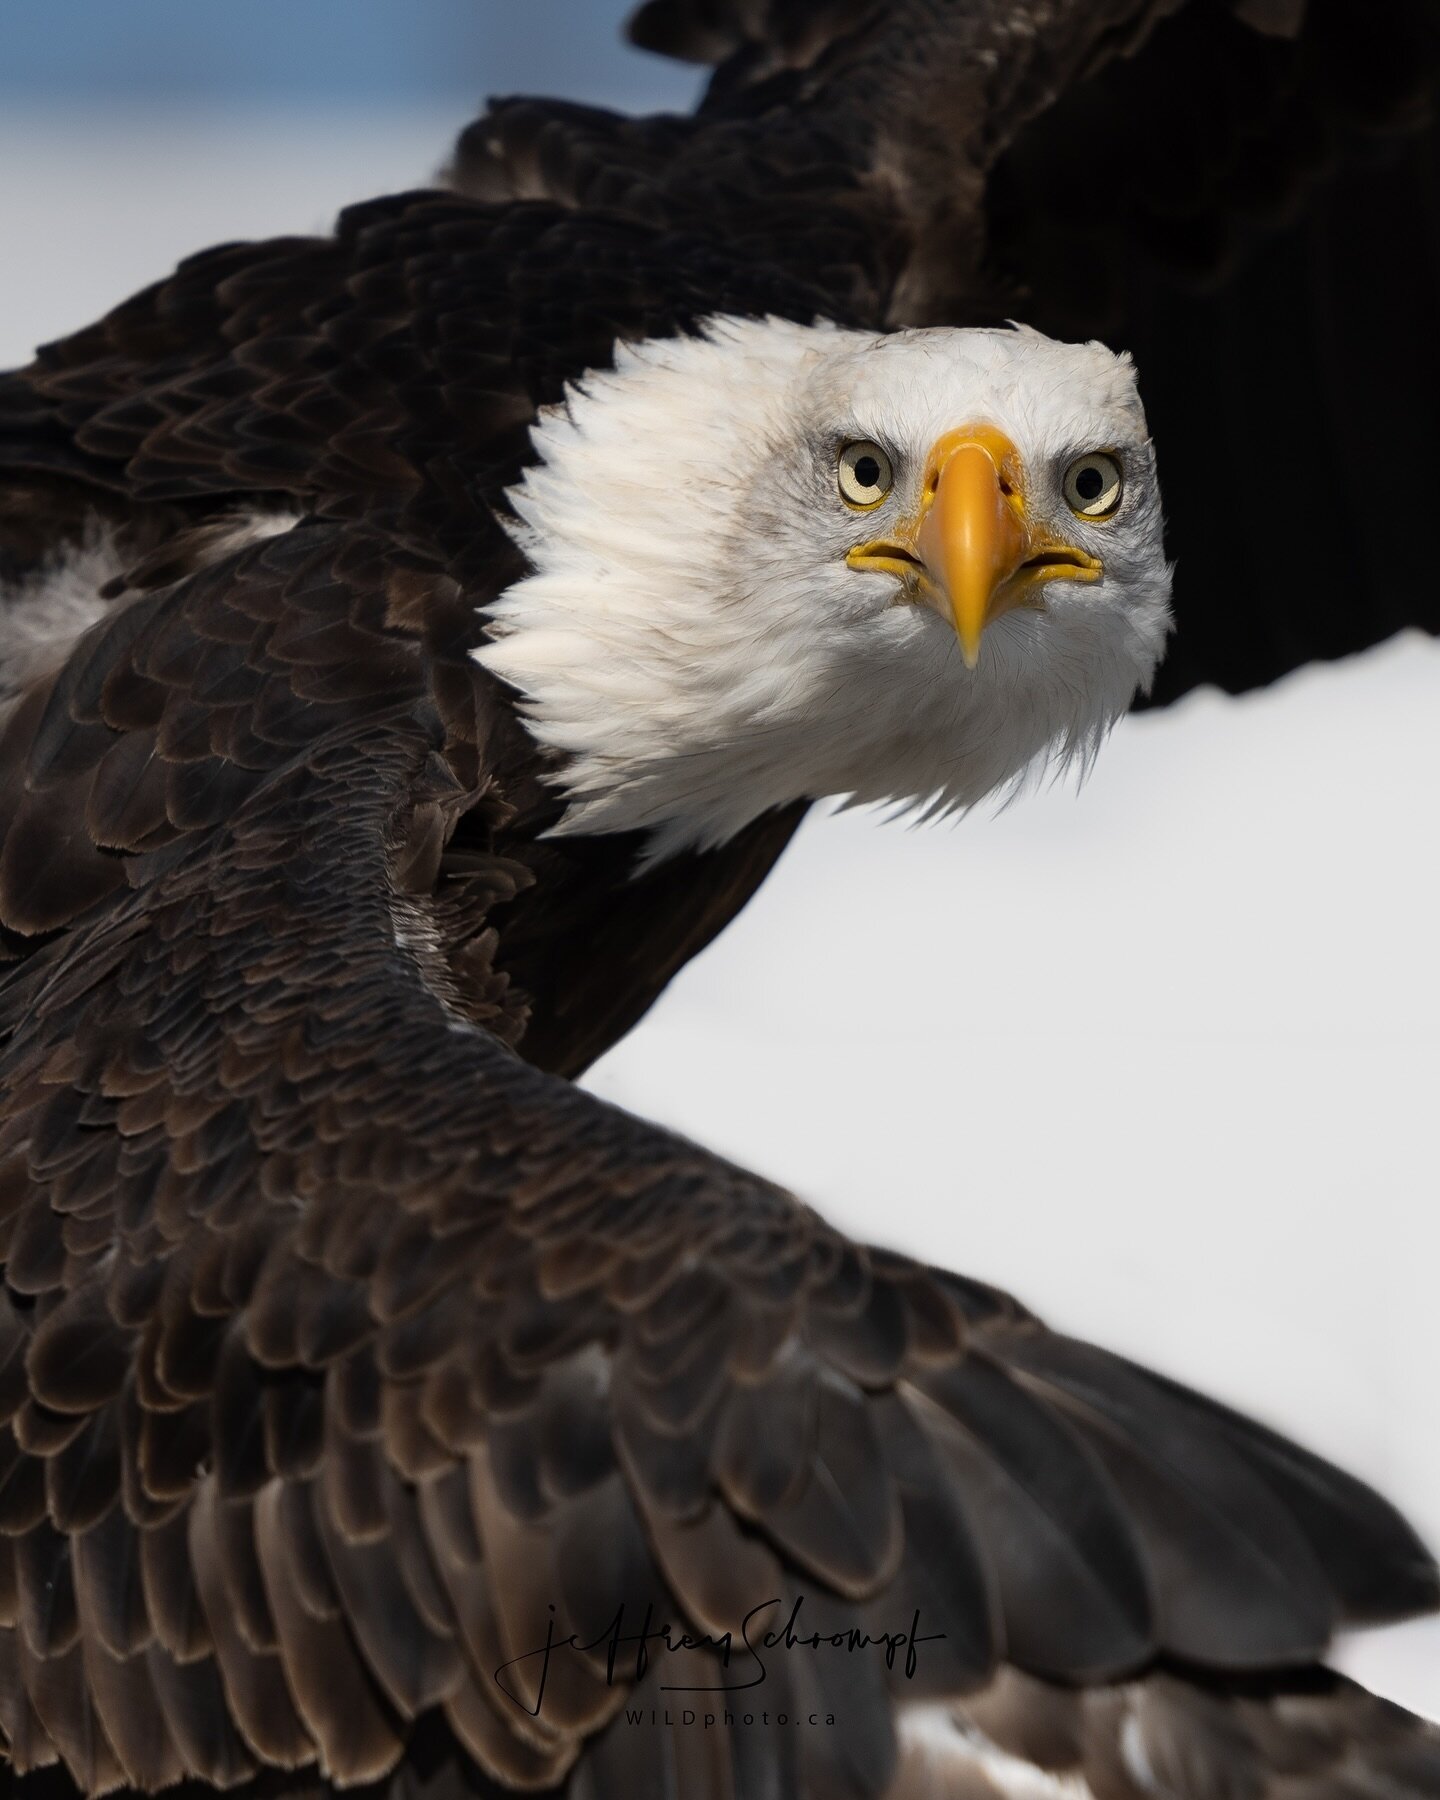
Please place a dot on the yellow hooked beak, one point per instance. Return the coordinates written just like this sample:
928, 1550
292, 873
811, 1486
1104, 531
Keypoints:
971, 553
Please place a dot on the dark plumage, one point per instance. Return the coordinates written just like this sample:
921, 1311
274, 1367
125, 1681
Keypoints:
342, 1337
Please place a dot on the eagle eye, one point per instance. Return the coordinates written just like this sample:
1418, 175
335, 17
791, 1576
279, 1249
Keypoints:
1093, 485
864, 474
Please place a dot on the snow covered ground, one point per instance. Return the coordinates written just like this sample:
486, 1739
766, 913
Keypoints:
1161, 1058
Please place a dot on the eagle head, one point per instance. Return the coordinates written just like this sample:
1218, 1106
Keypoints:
771, 561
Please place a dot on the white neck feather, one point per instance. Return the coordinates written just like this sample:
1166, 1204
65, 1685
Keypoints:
676, 646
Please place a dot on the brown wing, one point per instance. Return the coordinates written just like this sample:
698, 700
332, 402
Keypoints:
349, 1357
389, 372
387, 376
846, 141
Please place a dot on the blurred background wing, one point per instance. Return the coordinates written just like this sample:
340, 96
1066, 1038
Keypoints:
1258, 220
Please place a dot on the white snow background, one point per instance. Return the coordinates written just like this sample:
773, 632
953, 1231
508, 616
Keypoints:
1161, 1059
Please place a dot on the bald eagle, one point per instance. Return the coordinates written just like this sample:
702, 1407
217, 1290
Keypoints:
417, 643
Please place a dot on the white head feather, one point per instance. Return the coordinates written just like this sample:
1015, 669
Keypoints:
692, 639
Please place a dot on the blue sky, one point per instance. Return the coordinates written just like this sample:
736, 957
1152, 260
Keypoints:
359, 52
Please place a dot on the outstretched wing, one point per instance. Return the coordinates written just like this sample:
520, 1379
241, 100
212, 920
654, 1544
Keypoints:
1244, 195
386, 376
349, 1359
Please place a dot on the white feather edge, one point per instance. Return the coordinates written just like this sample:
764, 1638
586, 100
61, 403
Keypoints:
44, 613
940, 1755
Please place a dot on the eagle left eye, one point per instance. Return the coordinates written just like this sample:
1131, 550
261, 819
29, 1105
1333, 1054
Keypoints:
864, 474
1093, 485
